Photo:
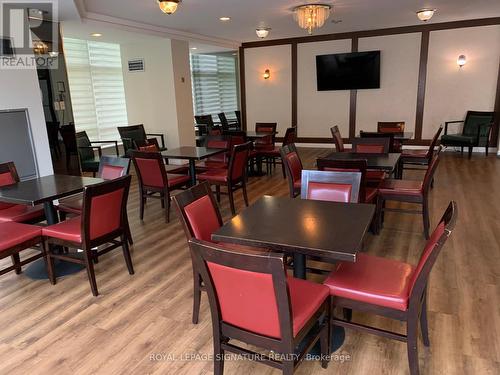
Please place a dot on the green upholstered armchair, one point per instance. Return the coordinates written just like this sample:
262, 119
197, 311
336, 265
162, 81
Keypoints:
476, 131
86, 152
133, 134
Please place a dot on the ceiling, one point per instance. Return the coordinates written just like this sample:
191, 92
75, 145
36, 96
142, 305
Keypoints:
202, 17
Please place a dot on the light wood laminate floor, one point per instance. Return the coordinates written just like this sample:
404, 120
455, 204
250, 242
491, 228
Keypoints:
140, 323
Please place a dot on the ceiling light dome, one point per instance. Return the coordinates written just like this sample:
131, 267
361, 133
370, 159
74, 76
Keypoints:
425, 14
168, 6
262, 32
311, 16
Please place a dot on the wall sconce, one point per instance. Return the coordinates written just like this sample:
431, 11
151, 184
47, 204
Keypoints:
461, 61
267, 74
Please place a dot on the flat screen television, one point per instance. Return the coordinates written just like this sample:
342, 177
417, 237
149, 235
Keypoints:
348, 71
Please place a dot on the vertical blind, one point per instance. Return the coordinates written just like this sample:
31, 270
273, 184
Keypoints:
96, 85
214, 83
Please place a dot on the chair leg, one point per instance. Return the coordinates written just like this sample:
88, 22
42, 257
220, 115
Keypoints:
128, 231
91, 273
196, 296
347, 313
245, 195
423, 322
325, 342
166, 203
49, 262
217, 192
288, 367
462, 150
487, 148
231, 199
283, 170
218, 358
412, 343
162, 196
16, 260
62, 215
142, 203
126, 254
425, 214
470, 152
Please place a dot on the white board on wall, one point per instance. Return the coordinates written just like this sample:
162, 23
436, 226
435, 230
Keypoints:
269, 100
318, 111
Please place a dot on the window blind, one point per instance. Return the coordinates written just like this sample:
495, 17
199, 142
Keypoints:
96, 85
214, 83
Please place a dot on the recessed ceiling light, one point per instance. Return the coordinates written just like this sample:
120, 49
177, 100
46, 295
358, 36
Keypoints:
425, 14
96, 35
225, 19
263, 32
194, 48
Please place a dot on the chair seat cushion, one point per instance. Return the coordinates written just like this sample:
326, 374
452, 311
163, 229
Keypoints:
72, 205
21, 213
269, 152
414, 154
392, 186
370, 194
305, 297
91, 165
373, 175
451, 139
374, 280
176, 180
177, 169
12, 234
206, 165
69, 230
219, 175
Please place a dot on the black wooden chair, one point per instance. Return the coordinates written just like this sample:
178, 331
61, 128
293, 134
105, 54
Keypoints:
89, 162
132, 134
476, 132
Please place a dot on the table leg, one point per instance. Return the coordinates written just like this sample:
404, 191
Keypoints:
192, 171
37, 270
299, 266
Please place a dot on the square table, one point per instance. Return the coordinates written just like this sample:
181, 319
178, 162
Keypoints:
330, 230
44, 190
404, 136
192, 154
385, 162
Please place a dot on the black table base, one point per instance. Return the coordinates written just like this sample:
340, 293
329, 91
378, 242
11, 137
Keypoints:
38, 271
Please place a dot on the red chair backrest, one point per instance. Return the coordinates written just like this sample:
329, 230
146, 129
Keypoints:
110, 172
104, 207
149, 148
290, 136
352, 165
431, 169
331, 186
8, 176
418, 280
218, 143
370, 149
246, 290
265, 127
202, 218
150, 169
238, 161
391, 127
113, 167
295, 165
430, 151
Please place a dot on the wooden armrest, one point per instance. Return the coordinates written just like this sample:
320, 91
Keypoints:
162, 137
98, 148
451, 122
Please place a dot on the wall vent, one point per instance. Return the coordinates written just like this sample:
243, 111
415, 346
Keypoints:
136, 65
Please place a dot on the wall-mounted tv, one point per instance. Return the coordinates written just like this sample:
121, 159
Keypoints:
348, 71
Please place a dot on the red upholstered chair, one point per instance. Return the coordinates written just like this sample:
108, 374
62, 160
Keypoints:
366, 194
373, 145
337, 139
219, 161
391, 288
103, 222
154, 182
17, 212
200, 217
16, 237
420, 157
331, 186
109, 168
271, 155
234, 177
392, 127
254, 302
408, 191
293, 168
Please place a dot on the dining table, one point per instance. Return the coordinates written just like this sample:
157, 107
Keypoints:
46, 190
329, 230
385, 162
192, 154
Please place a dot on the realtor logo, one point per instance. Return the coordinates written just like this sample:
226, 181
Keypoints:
29, 34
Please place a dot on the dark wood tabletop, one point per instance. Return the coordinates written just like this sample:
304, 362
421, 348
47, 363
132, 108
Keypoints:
191, 153
333, 231
45, 189
387, 162
403, 136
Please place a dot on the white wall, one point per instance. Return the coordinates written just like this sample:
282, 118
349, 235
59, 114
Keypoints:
318, 111
20, 89
451, 90
396, 99
269, 100
150, 95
